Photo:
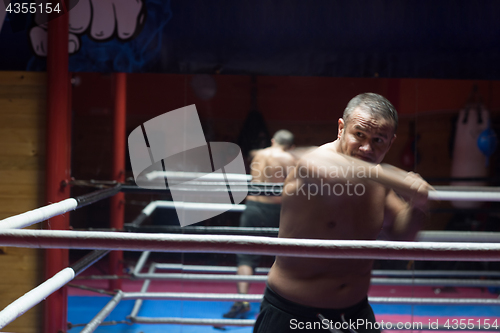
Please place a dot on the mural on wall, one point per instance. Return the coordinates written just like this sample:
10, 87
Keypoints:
380, 38
104, 36
100, 21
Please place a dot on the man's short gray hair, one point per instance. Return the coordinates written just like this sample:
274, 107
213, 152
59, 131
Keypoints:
375, 104
283, 138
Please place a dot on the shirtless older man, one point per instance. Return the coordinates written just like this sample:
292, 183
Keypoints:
312, 293
269, 165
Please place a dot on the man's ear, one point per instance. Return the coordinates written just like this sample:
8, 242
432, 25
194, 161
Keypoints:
341, 128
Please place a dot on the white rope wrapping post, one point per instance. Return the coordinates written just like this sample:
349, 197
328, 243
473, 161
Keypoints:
313, 248
145, 213
38, 215
35, 296
150, 208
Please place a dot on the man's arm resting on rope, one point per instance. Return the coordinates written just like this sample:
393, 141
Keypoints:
403, 218
323, 162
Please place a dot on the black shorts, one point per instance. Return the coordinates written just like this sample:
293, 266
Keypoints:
278, 314
258, 215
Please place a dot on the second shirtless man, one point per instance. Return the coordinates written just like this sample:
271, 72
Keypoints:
269, 165
308, 293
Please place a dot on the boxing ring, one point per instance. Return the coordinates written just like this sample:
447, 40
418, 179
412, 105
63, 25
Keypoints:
431, 246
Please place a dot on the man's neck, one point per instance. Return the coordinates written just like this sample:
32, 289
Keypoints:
278, 147
336, 146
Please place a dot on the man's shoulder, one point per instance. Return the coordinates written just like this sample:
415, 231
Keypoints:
260, 153
330, 147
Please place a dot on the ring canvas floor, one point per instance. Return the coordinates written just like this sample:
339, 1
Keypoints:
84, 305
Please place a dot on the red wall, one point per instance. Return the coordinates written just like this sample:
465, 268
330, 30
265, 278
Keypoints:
309, 106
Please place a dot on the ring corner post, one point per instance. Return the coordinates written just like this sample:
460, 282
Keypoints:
58, 159
119, 147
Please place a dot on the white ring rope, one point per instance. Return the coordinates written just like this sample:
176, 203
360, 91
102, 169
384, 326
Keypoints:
258, 298
375, 272
464, 196
203, 277
150, 208
467, 188
199, 176
205, 269
221, 323
220, 297
429, 273
315, 248
222, 278
38, 215
46, 212
225, 244
35, 296
192, 321
199, 206
458, 236
98, 319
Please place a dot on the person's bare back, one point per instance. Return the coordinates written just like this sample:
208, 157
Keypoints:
270, 165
